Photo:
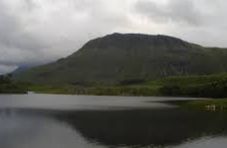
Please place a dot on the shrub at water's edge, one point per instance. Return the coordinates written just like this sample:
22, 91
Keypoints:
7, 86
205, 105
95, 90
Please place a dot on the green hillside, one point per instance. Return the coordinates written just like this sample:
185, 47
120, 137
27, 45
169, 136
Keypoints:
129, 58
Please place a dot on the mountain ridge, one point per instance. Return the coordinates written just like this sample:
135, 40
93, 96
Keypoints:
129, 57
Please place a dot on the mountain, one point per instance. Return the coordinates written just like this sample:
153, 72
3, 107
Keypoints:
22, 68
125, 58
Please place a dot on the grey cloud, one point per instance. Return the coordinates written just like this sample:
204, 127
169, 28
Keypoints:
177, 11
29, 4
16, 45
7, 68
37, 32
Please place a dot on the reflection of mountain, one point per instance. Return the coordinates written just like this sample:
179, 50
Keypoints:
146, 127
130, 128
25, 129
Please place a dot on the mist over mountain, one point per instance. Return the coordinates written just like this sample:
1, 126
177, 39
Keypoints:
116, 58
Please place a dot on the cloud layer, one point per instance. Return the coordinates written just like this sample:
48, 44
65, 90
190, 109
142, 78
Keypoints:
175, 11
40, 31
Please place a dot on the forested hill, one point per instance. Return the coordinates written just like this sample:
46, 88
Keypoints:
124, 58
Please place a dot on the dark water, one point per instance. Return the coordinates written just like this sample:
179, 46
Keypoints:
58, 121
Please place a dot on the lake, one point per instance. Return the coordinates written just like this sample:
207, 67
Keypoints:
70, 121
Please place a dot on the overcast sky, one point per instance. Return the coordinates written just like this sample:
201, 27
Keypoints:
40, 31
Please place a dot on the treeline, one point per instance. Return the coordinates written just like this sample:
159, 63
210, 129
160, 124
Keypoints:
214, 86
7, 85
95, 90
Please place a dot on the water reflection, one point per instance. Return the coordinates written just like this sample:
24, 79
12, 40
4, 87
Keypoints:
206, 142
128, 128
30, 130
146, 127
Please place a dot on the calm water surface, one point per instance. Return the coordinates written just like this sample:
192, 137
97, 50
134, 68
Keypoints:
68, 121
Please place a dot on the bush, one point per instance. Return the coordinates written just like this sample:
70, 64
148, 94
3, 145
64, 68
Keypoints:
214, 89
